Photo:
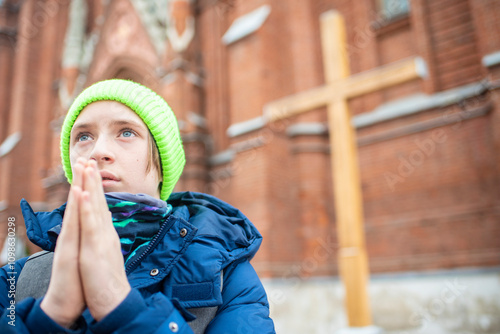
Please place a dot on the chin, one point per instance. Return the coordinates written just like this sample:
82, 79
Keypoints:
111, 189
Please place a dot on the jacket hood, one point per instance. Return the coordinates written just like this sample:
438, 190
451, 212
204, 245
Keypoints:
219, 224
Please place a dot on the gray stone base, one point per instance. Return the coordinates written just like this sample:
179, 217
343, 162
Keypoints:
445, 302
361, 330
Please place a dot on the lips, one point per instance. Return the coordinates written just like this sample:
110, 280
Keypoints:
108, 178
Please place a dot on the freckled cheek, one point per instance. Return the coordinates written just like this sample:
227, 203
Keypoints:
136, 164
134, 178
75, 153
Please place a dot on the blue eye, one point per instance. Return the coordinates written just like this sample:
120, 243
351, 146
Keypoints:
83, 137
127, 133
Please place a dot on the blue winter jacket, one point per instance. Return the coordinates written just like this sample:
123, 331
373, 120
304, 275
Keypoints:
220, 239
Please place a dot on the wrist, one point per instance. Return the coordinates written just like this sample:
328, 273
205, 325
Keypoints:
57, 314
106, 305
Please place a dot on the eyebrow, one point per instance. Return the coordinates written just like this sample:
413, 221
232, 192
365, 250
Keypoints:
126, 122
114, 123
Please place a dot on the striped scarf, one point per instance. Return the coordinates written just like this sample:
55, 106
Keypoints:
137, 219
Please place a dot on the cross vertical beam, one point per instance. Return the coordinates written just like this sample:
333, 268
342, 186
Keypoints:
338, 89
353, 261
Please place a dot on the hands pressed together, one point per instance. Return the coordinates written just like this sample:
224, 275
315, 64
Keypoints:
88, 268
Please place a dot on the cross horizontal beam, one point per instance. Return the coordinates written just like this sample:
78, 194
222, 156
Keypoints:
356, 85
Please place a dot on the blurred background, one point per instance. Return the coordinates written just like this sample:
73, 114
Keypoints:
253, 83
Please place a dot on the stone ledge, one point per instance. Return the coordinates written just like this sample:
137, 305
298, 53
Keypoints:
426, 125
388, 111
221, 158
246, 24
9, 143
417, 103
241, 128
307, 129
491, 59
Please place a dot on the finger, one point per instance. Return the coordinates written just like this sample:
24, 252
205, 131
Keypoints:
70, 225
89, 215
89, 209
64, 300
94, 186
96, 177
78, 172
91, 188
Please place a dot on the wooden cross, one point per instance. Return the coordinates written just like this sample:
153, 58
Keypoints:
339, 87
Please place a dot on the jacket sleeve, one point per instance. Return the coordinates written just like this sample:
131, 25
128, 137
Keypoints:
245, 308
25, 316
13, 313
136, 314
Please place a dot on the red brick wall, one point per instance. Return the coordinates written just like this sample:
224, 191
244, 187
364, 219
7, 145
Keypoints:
486, 17
430, 218
8, 22
454, 44
213, 23
430, 198
32, 90
441, 213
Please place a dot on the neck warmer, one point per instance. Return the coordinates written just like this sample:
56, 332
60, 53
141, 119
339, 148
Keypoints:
137, 219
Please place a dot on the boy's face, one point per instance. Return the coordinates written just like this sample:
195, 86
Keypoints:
117, 138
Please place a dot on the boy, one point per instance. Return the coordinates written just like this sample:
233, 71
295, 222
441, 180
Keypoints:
130, 256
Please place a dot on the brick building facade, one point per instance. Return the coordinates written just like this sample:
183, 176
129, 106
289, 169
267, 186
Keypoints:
428, 149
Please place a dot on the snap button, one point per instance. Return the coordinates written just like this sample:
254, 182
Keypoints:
183, 233
173, 327
154, 272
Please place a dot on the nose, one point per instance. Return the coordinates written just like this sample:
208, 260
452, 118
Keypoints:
102, 151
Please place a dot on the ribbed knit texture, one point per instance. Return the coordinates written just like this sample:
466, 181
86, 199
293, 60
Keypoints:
154, 112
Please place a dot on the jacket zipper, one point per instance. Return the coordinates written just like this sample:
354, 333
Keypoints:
151, 245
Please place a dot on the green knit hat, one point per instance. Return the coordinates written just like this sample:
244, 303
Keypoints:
154, 112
